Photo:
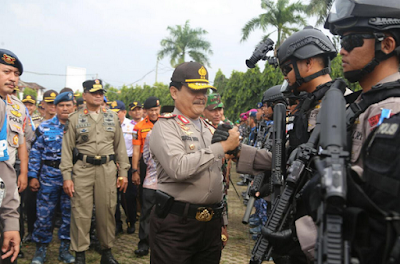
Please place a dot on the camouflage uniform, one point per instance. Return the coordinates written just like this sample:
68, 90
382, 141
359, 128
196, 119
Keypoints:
44, 158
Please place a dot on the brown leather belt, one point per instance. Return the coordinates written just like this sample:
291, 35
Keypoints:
202, 213
97, 160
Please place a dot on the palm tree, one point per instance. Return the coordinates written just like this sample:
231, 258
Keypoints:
280, 15
320, 8
183, 41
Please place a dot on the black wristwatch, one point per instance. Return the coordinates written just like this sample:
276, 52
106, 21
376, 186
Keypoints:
134, 170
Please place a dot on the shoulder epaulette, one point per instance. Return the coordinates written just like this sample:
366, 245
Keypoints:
167, 116
34, 118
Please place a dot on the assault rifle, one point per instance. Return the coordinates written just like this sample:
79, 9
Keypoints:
262, 128
278, 151
283, 205
252, 190
331, 247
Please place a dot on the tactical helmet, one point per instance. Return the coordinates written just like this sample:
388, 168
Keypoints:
307, 43
304, 44
274, 94
366, 15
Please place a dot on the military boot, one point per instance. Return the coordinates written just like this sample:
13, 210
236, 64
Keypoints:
64, 254
40, 254
80, 257
107, 257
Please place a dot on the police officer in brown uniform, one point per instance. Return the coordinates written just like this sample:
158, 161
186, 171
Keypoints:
96, 134
186, 223
10, 70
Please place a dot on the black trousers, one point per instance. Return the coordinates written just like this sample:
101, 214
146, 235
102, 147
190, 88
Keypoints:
30, 208
149, 199
174, 240
143, 169
128, 201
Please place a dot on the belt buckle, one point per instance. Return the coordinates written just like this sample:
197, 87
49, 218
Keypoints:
97, 157
204, 214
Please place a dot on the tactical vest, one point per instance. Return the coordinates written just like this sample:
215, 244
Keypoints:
378, 195
299, 134
381, 191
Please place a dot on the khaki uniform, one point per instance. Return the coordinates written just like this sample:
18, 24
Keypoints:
93, 135
189, 169
16, 121
9, 207
188, 166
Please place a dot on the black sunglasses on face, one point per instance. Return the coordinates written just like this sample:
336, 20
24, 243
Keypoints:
351, 41
286, 68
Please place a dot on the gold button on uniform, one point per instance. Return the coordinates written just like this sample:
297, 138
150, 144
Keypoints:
191, 146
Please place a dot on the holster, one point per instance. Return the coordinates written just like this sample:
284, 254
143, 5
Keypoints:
75, 153
164, 203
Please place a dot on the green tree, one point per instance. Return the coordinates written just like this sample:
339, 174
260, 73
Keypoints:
30, 91
183, 41
280, 15
320, 9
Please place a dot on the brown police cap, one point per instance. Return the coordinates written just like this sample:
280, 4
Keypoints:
193, 75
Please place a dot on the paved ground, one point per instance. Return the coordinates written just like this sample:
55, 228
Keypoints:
237, 250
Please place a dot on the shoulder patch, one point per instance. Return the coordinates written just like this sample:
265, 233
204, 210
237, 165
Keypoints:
373, 121
167, 116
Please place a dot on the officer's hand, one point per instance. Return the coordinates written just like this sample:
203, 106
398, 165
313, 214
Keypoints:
34, 184
224, 236
232, 141
10, 247
122, 184
68, 187
221, 133
22, 182
136, 178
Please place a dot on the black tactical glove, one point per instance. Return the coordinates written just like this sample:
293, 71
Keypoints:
221, 133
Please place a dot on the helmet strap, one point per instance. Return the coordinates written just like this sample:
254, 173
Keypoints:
356, 75
300, 80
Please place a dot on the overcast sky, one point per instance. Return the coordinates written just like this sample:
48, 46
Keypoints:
118, 40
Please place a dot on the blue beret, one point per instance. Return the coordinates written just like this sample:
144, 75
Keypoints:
117, 105
10, 59
63, 97
259, 105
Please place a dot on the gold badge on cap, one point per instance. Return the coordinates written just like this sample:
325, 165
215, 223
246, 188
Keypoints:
28, 97
8, 59
158, 103
114, 104
53, 94
191, 146
202, 72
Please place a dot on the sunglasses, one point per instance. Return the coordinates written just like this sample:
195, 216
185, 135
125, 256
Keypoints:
351, 41
286, 68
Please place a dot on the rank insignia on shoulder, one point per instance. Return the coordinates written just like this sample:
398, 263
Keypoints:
168, 115
183, 119
16, 113
15, 106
